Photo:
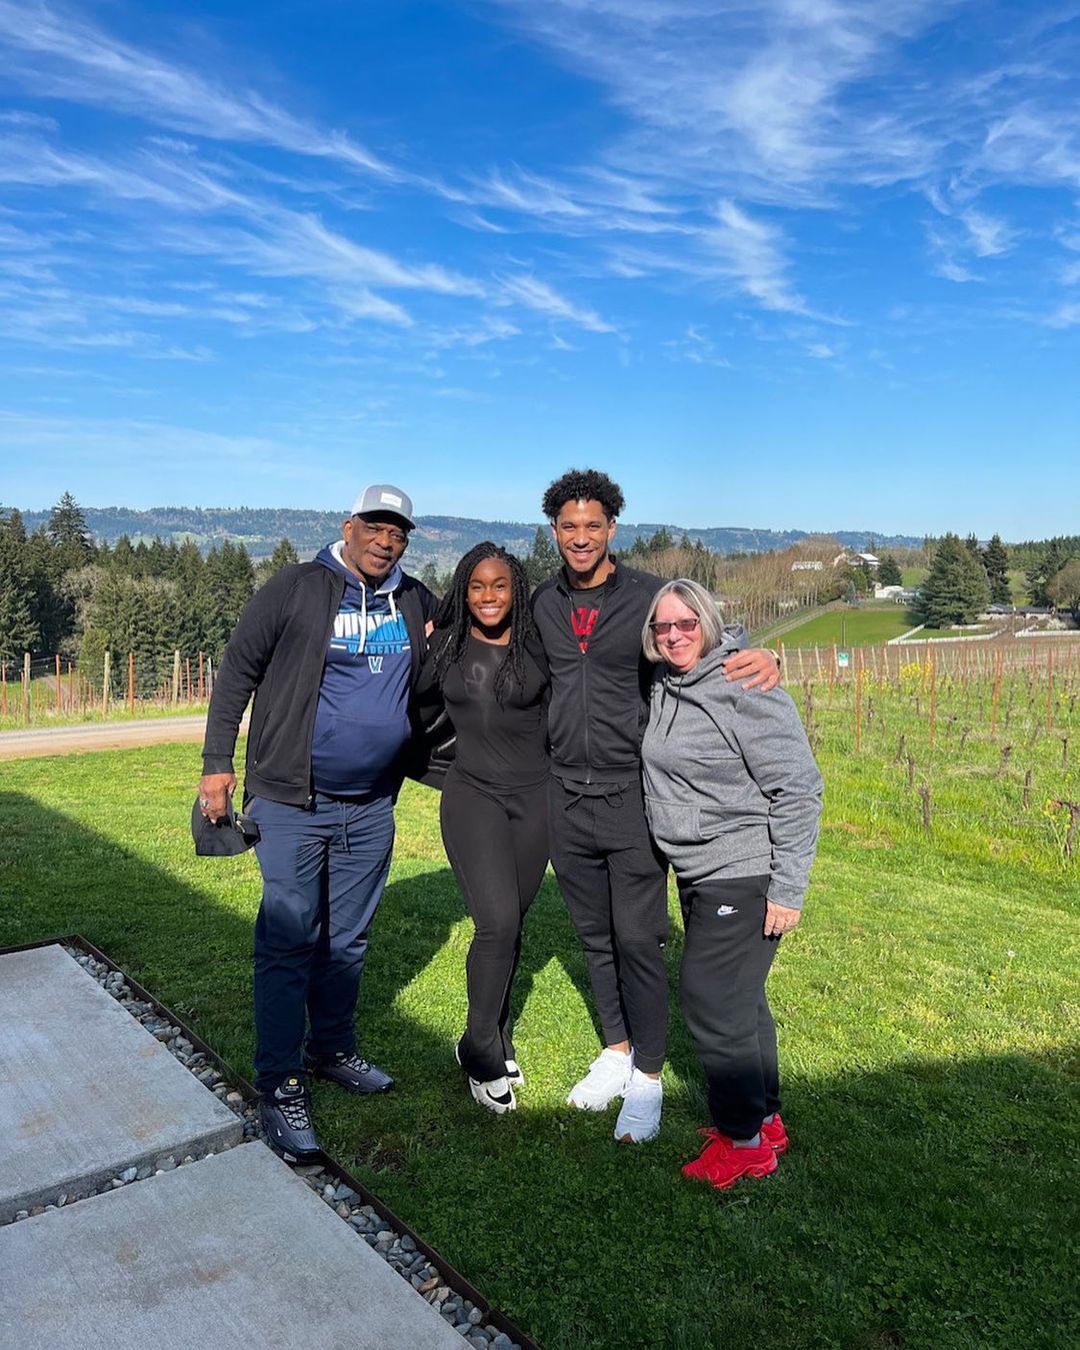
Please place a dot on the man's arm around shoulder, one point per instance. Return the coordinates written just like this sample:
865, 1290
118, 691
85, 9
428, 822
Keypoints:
758, 666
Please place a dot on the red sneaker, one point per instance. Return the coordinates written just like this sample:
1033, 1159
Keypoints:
721, 1164
775, 1135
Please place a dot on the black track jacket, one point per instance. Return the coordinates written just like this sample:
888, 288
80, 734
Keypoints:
277, 652
599, 695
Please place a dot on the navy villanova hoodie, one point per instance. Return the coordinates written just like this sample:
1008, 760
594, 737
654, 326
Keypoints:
362, 720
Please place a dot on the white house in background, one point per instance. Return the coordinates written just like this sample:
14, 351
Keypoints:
847, 559
901, 595
808, 565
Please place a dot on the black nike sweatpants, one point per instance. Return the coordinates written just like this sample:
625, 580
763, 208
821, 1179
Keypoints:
497, 843
726, 960
614, 882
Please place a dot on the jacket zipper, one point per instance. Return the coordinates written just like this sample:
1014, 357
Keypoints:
585, 706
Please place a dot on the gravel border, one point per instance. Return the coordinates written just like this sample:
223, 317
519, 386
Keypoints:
401, 1251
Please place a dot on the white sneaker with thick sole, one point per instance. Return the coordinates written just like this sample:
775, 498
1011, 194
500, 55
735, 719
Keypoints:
514, 1075
608, 1076
639, 1119
497, 1096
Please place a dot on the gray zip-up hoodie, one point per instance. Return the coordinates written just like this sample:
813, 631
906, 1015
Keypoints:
731, 786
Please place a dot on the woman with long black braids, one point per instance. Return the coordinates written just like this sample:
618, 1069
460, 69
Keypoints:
486, 658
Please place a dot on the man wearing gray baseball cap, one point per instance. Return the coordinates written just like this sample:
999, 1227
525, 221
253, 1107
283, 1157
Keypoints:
331, 650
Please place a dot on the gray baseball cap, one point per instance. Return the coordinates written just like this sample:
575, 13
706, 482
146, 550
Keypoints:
383, 499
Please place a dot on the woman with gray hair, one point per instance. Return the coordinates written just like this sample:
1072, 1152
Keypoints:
733, 797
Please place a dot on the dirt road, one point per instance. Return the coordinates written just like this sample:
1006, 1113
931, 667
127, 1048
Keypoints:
71, 739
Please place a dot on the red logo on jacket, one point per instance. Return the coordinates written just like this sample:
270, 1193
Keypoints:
584, 621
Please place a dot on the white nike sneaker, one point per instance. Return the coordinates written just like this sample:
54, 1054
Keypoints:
497, 1096
639, 1119
514, 1075
608, 1076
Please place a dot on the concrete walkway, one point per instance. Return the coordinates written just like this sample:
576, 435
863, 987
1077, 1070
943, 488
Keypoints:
228, 1249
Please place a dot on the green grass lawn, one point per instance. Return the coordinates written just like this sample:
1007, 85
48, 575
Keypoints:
950, 634
927, 1010
862, 627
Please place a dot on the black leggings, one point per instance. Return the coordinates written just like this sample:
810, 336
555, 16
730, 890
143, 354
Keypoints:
498, 848
726, 960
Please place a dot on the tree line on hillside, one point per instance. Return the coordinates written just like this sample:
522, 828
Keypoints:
62, 593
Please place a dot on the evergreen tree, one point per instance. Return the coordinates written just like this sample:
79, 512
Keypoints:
51, 611
18, 631
429, 577
996, 562
956, 589
889, 572
159, 557
543, 561
123, 556
225, 586
283, 555
67, 530
186, 569
972, 546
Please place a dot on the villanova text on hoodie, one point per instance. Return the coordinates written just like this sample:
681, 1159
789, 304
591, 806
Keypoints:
362, 719
731, 785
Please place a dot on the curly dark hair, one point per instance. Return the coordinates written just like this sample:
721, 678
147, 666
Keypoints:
453, 615
583, 485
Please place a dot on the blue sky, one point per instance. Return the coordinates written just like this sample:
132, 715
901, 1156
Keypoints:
779, 263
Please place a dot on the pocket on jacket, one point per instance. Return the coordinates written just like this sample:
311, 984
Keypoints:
673, 822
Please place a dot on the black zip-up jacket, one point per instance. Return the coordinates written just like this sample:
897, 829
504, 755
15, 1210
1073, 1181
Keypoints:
599, 696
277, 651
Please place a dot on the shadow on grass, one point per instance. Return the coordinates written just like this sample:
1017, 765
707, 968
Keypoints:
924, 1203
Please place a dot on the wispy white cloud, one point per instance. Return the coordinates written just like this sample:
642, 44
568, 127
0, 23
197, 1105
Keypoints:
535, 294
55, 53
1065, 316
753, 98
261, 236
17, 117
116, 440
751, 251
813, 105
698, 348
989, 237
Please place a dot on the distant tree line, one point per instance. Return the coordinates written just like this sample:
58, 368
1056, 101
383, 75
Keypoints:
60, 593
965, 577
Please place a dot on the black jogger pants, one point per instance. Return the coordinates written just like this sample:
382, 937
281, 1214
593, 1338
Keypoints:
726, 960
614, 882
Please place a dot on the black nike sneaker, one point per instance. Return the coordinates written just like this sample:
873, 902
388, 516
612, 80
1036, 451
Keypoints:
349, 1071
285, 1116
